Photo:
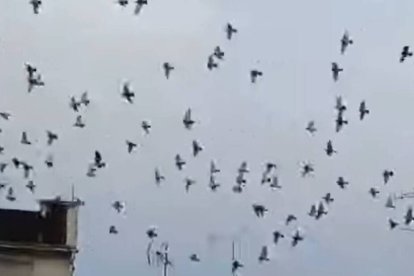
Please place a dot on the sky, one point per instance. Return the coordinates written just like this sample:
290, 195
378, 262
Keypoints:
97, 45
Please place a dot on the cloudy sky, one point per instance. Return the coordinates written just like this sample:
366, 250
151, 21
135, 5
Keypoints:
96, 45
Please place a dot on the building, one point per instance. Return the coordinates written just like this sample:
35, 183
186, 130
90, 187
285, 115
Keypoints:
39, 243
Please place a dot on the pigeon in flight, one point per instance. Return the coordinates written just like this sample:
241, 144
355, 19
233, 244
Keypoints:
238, 189
49, 161
187, 120
373, 192
188, 182
243, 168
259, 210
167, 69
345, 42
51, 137
131, 146
230, 30
122, 3
158, 177
218, 53
363, 110
146, 126
98, 160
16, 162
3, 166
194, 258
85, 99
392, 224
24, 140
340, 106
213, 184
264, 255
10, 194
274, 184
254, 74
390, 203
211, 64
79, 122
340, 122
277, 236
113, 230
35, 81
335, 70
307, 169
311, 128
290, 218
235, 266
118, 206
139, 5
405, 53
329, 149
36, 5
341, 182
179, 162
5, 115
2, 185
321, 211
387, 174
240, 180
409, 216
296, 238
213, 168
74, 104
197, 148
127, 93
328, 198
31, 70
152, 233
31, 186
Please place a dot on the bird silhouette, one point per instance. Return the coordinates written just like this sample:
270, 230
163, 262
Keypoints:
167, 69
31, 186
240, 180
158, 177
98, 160
296, 238
36, 5
235, 266
330, 149
363, 110
230, 30
408, 218
213, 168
118, 206
254, 74
210, 63
218, 53
10, 194
259, 210
91, 171
340, 105
5, 115
340, 122
311, 128
127, 93
213, 183
49, 161
345, 42
243, 168
152, 233
188, 182
341, 182
79, 122
312, 212
405, 53
335, 70
238, 189
24, 140
179, 162
139, 5
85, 99
146, 126
26, 169
328, 198
34, 81
51, 137
321, 211
194, 258
373, 192
131, 146
197, 148
3, 185
264, 255
30, 69
275, 183
187, 120
122, 3
392, 223
387, 174
277, 236
74, 104
3, 167
16, 162
290, 218
113, 230
307, 169
390, 203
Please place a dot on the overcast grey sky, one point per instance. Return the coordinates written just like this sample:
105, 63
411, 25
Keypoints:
96, 45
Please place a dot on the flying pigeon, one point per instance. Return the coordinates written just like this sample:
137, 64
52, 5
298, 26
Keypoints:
296, 238
188, 182
118, 206
152, 233
235, 266
387, 174
196, 148
187, 121
85, 99
390, 203
74, 104
264, 255
409, 216
363, 110
277, 236
328, 198
392, 224
131, 146
218, 53
146, 126
167, 69
321, 211
51, 137
10, 194
113, 230
5, 115
99, 160
329, 148
336, 70
311, 127
340, 122
307, 169
259, 210
24, 140
373, 192
405, 53
345, 42
31, 186
230, 30
49, 161
312, 211
179, 162
213, 168
275, 183
158, 177
79, 122
254, 74
213, 184
243, 168
194, 258
36, 5
127, 93
341, 182
139, 5
290, 218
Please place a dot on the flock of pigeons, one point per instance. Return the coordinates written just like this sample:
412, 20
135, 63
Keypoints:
269, 176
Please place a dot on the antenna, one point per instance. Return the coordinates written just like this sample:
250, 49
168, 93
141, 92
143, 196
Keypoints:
232, 251
73, 192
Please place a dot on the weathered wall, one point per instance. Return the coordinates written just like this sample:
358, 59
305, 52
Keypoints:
24, 265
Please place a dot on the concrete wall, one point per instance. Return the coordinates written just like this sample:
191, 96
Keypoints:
72, 227
38, 265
